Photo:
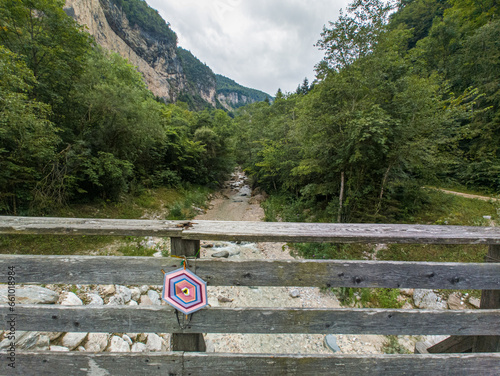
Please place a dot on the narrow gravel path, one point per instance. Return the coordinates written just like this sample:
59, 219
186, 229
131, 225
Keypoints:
466, 195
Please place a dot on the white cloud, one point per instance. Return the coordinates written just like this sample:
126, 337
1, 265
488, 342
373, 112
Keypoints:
262, 44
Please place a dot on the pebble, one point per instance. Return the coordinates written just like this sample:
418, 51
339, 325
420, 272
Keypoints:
294, 293
95, 299
135, 293
154, 297
145, 301
475, 302
154, 342
30, 295
97, 342
138, 347
116, 300
71, 299
58, 348
331, 343
127, 339
108, 290
72, 340
125, 292
221, 254
118, 344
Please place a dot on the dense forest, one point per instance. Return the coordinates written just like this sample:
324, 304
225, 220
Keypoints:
407, 94
77, 123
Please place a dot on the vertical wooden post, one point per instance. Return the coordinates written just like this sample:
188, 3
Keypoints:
490, 299
191, 341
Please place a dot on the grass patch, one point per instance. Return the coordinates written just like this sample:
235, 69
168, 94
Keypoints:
392, 346
440, 209
446, 209
53, 244
187, 205
154, 201
434, 252
129, 207
368, 297
137, 246
332, 251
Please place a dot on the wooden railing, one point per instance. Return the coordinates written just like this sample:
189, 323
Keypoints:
482, 326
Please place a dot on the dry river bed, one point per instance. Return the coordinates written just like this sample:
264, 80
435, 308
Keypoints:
236, 203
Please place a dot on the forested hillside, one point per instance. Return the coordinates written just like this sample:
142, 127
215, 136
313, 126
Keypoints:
77, 123
407, 94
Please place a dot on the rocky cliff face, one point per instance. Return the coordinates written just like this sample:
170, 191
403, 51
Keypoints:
156, 59
233, 100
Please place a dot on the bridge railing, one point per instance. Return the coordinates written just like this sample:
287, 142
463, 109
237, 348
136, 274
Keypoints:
482, 325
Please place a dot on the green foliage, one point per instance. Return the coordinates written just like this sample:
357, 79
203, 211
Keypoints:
186, 207
147, 19
390, 111
392, 346
368, 298
27, 138
78, 123
50, 42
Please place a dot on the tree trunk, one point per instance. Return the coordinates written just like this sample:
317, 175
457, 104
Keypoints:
384, 181
341, 196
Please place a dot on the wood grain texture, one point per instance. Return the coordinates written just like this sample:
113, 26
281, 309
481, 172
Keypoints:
256, 231
186, 341
490, 299
203, 364
162, 319
324, 273
453, 344
341, 233
88, 226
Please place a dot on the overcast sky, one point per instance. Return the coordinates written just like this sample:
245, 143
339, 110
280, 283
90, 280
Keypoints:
262, 44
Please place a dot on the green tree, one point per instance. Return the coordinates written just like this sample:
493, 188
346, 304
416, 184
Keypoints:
52, 44
27, 138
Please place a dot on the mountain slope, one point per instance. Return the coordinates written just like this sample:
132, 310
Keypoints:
232, 95
138, 33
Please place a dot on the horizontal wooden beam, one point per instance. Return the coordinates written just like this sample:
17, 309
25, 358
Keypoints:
162, 319
255, 231
197, 364
320, 273
341, 233
88, 226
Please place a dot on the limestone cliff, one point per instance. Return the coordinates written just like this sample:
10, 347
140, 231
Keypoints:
156, 59
169, 71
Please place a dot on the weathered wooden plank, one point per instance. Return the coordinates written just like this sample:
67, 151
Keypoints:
341, 233
88, 226
186, 341
338, 273
321, 273
202, 364
490, 299
257, 364
162, 319
98, 364
256, 231
453, 344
